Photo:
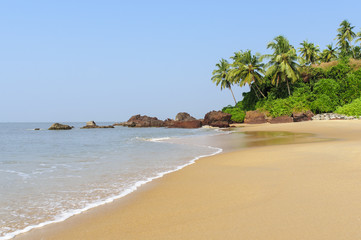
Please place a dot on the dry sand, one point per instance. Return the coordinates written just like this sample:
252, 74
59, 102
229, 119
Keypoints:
298, 191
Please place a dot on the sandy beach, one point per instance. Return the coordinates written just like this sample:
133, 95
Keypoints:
306, 190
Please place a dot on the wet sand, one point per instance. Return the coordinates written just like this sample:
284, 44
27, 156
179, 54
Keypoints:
306, 190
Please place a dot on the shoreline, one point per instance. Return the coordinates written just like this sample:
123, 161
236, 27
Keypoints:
140, 184
87, 218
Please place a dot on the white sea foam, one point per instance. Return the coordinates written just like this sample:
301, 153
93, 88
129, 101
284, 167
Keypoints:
152, 139
23, 175
127, 191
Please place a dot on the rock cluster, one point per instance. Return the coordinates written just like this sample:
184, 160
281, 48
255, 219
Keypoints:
182, 120
333, 116
257, 117
92, 124
217, 119
141, 121
58, 126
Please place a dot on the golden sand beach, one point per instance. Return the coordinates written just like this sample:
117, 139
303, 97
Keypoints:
308, 190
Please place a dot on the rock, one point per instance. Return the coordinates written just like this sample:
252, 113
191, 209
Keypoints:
58, 126
220, 124
143, 121
92, 124
37, 129
333, 116
183, 116
255, 117
281, 119
183, 124
302, 116
217, 119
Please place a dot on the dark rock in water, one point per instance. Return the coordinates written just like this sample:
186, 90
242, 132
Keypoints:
36, 129
92, 124
183, 116
142, 121
220, 124
281, 119
217, 119
183, 124
255, 117
302, 116
58, 126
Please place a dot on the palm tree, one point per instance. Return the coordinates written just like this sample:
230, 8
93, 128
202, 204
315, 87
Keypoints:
220, 76
345, 36
247, 69
356, 52
358, 37
329, 54
283, 65
309, 52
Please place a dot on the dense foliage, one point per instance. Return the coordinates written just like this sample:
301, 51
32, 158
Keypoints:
237, 113
351, 109
284, 82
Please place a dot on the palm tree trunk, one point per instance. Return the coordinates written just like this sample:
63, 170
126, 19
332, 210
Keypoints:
288, 87
254, 91
235, 102
260, 90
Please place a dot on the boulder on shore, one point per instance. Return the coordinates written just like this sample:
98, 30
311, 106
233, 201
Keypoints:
217, 119
281, 119
183, 116
58, 126
255, 117
183, 124
92, 124
183, 120
302, 116
141, 121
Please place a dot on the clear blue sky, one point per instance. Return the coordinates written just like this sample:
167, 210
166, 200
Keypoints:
107, 60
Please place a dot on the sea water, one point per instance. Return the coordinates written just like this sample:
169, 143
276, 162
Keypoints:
48, 176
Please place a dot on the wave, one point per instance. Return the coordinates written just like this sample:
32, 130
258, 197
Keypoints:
161, 139
23, 175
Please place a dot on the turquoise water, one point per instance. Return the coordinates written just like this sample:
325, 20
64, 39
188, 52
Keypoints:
48, 176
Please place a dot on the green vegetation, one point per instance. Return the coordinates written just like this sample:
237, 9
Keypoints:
237, 113
351, 109
284, 82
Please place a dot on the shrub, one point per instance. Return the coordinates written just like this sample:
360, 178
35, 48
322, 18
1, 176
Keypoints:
299, 101
351, 109
350, 87
326, 93
323, 104
339, 71
238, 115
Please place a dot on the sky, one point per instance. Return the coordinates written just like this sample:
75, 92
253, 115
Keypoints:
66, 61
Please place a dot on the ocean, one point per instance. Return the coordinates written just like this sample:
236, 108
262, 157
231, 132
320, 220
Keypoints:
48, 176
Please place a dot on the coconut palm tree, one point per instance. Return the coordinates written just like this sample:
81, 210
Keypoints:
252, 70
282, 64
329, 54
247, 69
356, 52
220, 76
358, 37
345, 36
309, 52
